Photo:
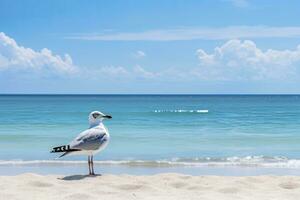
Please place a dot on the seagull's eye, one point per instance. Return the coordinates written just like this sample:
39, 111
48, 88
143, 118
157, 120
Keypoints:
95, 115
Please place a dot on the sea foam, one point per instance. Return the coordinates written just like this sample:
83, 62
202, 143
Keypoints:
248, 161
181, 111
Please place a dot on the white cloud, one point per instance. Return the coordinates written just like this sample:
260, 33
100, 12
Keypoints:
14, 57
119, 72
141, 72
139, 54
234, 60
243, 60
221, 33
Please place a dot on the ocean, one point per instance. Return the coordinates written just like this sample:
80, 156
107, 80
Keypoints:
153, 132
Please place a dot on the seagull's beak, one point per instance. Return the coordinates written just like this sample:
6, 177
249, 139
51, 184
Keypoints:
108, 116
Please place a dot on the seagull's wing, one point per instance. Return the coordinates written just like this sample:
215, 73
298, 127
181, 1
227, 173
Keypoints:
89, 140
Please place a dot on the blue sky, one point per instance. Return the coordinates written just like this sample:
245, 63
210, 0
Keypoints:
170, 46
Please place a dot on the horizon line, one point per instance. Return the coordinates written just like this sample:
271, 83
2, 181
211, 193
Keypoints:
137, 94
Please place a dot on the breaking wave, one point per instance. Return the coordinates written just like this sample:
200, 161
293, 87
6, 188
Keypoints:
180, 111
249, 161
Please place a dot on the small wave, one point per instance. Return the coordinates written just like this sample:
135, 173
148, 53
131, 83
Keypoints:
181, 111
248, 161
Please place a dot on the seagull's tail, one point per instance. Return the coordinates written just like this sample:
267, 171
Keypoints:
65, 149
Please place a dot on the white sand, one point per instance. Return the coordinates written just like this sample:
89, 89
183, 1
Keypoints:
161, 186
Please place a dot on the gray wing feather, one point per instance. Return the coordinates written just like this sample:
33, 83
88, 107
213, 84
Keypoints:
89, 140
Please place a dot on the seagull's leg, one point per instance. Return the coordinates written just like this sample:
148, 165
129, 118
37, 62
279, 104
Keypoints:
89, 162
92, 162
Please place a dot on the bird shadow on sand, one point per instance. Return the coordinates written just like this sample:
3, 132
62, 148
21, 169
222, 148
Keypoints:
78, 177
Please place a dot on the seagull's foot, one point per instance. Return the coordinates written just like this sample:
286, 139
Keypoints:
94, 175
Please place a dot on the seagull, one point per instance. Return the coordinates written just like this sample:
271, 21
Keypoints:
89, 142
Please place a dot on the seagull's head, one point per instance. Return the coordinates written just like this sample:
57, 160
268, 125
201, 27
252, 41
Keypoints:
96, 117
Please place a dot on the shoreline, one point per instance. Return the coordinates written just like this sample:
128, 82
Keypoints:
159, 186
82, 168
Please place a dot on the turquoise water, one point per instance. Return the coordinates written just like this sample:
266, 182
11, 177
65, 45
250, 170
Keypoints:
188, 130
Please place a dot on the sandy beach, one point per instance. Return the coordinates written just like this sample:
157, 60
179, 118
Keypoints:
160, 186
